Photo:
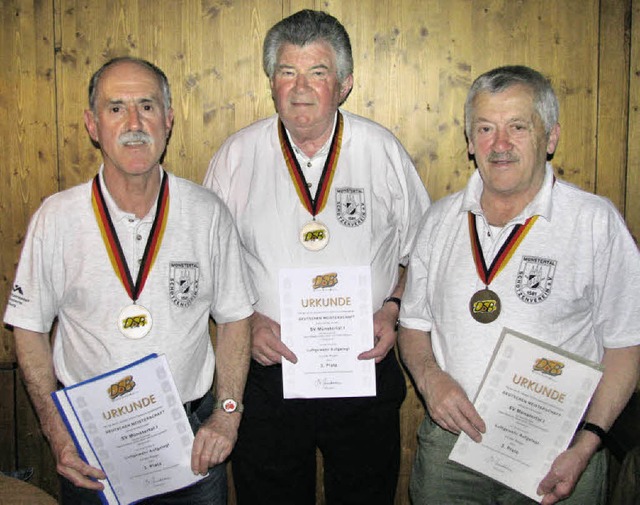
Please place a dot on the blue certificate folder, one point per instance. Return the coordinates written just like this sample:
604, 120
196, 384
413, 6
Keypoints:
131, 424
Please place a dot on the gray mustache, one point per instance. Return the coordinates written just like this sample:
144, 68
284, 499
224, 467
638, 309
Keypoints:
502, 157
128, 137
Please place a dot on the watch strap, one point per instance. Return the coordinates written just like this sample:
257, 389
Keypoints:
393, 299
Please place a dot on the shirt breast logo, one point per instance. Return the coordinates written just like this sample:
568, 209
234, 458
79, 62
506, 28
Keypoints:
183, 283
535, 278
350, 206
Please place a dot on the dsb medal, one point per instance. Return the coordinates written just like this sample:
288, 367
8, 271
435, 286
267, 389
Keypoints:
314, 236
485, 306
135, 322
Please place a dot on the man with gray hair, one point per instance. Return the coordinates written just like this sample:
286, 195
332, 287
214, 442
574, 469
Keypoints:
555, 262
135, 241
315, 185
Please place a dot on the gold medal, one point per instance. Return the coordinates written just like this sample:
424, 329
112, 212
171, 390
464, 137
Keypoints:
314, 236
135, 322
485, 306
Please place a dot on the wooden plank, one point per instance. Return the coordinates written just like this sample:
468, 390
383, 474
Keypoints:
27, 116
613, 101
27, 135
632, 207
7, 417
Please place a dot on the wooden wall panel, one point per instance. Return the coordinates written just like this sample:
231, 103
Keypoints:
414, 61
632, 207
7, 417
613, 100
27, 131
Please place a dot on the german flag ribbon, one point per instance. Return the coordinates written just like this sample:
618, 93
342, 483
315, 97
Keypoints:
313, 205
112, 244
506, 251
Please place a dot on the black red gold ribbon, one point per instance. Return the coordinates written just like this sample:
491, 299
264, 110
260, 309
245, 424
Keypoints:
506, 251
313, 205
111, 242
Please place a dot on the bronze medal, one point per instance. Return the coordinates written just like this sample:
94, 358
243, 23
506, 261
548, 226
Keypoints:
485, 306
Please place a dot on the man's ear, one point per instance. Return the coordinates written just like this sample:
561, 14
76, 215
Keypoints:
345, 88
91, 124
169, 120
554, 137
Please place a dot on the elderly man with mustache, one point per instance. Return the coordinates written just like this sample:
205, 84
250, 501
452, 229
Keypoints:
134, 240
548, 260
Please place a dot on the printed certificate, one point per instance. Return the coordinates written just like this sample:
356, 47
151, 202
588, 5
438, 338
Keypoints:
326, 319
131, 423
532, 399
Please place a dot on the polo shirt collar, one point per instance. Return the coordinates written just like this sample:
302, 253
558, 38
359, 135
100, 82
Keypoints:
116, 213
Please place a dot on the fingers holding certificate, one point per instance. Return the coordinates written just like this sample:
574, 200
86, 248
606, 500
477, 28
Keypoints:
327, 321
532, 399
131, 424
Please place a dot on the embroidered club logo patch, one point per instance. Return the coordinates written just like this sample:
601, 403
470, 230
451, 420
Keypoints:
534, 279
183, 283
350, 206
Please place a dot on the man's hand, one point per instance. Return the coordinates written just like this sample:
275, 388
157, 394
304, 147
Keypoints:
384, 331
266, 346
214, 441
449, 406
69, 464
567, 468
35, 357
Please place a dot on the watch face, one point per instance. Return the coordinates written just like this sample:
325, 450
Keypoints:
229, 405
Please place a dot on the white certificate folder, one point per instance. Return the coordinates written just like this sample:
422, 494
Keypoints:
532, 399
130, 423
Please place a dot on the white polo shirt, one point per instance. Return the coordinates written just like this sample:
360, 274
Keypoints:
65, 273
249, 173
572, 282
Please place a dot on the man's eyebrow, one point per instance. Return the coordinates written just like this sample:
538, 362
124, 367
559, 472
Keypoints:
144, 99
315, 67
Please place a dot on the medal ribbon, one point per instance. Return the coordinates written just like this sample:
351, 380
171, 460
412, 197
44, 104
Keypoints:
111, 242
313, 205
506, 251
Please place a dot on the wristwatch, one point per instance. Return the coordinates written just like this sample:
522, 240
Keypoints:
229, 405
393, 299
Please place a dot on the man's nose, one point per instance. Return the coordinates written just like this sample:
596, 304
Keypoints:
301, 82
502, 140
133, 119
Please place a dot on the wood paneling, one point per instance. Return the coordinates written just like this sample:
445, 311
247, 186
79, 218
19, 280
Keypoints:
632, 206
7, 417
414, 61
613, 100
27, 131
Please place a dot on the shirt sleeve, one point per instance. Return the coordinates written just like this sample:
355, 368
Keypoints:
415, 312
617, 284
32, 302
234, 294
